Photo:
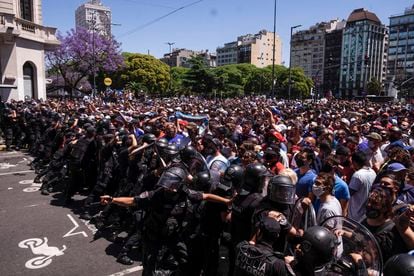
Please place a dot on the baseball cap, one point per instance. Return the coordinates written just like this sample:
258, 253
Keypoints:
374, 136
270, 227
396, 167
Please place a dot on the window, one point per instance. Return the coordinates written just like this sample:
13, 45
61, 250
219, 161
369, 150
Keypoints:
26, 9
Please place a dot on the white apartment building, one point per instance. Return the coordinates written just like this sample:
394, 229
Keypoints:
255, 49
94, 15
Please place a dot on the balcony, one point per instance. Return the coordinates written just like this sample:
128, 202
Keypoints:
13, 26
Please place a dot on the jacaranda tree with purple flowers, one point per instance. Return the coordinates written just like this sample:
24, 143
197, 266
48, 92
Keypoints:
83, 54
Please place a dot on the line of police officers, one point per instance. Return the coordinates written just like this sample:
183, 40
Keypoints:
178, 208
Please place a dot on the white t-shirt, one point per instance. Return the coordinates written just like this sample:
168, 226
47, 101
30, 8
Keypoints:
328, 209
361, 182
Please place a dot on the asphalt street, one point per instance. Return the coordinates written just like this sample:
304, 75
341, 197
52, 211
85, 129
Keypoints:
39, 236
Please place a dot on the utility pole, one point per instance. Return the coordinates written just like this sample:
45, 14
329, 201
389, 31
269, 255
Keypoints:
290, 60
93, 26
170, 44
274, 47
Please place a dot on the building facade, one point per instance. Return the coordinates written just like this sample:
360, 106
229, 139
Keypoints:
93, 15
400, 64
180, 57
332, 59
309, 50
255, 49
23, 42
364, 44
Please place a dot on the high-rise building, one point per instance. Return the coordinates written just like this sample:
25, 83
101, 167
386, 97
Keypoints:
332, 62
94, 15
255, 49
23, 42
400, 65
364, 44
308, 49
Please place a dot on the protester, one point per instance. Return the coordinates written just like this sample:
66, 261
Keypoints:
200, 175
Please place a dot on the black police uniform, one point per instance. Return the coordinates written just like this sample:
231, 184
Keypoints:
258, 260
163, 248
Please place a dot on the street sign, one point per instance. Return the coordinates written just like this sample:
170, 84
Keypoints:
107, 81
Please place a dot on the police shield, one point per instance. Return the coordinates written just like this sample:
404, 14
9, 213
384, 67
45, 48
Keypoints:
354, 238
303, 218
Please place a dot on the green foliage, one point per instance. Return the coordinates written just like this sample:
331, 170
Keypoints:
177, 75
143, 72
374, 87
151, 74
199, 79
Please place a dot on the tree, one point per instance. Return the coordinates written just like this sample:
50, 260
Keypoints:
178, 74
259, 81
200, 78
229, 80
145, 70
300, 87
374, 87
83, 54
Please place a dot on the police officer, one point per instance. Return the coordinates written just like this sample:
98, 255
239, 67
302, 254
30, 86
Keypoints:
163, 249
75, 162
278, 203
258, 258
315, 251
248, 197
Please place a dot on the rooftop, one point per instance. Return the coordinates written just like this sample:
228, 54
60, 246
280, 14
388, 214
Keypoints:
362, 14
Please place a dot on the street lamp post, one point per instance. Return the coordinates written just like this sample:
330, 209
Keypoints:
290, 59
170, 44
94, 25
274, 47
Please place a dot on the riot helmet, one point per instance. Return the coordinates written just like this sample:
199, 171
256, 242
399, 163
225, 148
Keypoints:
318, 246
202, 181
188, 153
161, 143
401, 264
281, 190
169, 152
172, 179
232, 178
149, 138
255, 177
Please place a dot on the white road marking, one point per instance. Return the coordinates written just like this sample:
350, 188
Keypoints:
4, 166
31, 189
24, 161
9, 173
33, 205
128, 271
40, 247
70, 233
90, 226
9, 188
26, 182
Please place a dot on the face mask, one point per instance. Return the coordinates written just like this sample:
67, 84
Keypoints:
372, 213
318, 190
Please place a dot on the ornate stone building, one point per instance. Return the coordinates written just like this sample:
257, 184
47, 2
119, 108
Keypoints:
23, 42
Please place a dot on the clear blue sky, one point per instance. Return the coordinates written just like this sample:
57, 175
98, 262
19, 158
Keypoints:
212, 23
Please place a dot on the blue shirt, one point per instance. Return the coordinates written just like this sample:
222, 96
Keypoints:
305, 182
177, 139
341, 189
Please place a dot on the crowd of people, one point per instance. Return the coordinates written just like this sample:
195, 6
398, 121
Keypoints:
271, 181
